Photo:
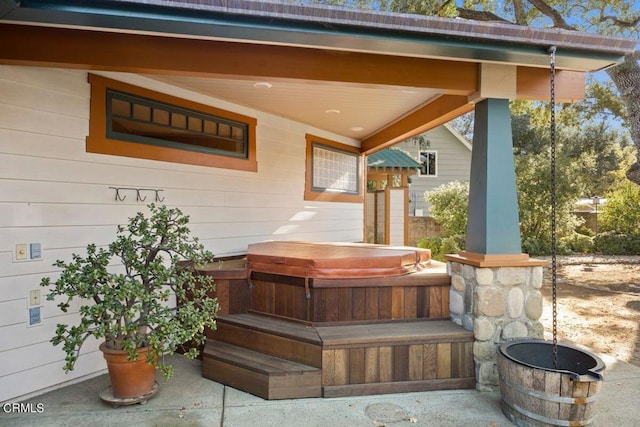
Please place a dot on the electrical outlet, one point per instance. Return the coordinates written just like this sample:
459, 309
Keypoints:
35, 297
22, 251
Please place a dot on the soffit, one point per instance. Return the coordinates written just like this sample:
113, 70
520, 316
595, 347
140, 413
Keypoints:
355, 111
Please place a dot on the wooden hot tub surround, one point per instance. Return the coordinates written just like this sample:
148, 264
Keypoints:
314, 324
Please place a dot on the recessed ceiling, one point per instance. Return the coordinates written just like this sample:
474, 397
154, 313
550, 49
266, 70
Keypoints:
349, 110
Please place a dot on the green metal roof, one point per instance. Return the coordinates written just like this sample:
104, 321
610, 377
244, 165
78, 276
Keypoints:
392, 159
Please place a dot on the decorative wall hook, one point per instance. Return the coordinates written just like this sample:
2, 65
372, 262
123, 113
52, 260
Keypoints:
119, 196
158, 199
138, 197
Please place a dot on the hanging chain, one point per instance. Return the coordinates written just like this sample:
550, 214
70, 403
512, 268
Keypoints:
554, 247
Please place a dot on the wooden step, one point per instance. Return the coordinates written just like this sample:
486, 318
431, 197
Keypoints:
288, 340
396, 357
261, 374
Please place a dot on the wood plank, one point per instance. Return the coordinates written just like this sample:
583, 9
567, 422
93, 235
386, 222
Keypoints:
356, 366
293, 330
371, 365
435, 302
433, 275
384, 304
295, 386
236, 377
371, 304
422, 298
341, 357
248, 359
319, 308
397, 302
430, 361
344, 304
552, 387
420, 331
260, 374
444, 292
332, 305
416, 362
444, 360
328, 367
386, 364
410, 303
238, 296
401, 363
358, 302
398, 387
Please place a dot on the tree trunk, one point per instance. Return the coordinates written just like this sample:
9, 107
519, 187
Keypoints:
626, 77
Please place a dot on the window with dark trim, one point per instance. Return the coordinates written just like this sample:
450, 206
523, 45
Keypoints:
429, 161
334, 171
136, 122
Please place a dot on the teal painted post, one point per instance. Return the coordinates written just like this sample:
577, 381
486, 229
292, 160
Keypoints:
493, 224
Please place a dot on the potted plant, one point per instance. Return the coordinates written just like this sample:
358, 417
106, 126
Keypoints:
139, 296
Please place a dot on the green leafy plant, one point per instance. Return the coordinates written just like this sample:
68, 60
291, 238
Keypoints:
143, 290
448, 206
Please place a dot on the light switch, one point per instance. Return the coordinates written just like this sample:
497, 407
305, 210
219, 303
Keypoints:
21, 251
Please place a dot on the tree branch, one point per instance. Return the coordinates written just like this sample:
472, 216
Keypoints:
620, 22
480, 15
545, 9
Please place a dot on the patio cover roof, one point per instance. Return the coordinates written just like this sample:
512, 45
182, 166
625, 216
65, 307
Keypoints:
375, 77
392, 160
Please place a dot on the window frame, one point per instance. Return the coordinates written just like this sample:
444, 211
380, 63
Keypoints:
435, 152
324, 194
98, 141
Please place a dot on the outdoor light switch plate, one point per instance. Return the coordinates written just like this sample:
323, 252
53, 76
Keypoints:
21, 252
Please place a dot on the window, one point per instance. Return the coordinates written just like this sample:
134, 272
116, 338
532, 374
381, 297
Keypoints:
428, 160
334, 171
135, 122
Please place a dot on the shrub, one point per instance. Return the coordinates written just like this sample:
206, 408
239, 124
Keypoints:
622, 210
433, 243
578, 243
616, 243
448, 205
441, 246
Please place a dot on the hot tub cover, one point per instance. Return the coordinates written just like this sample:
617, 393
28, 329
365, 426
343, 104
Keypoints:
335, 260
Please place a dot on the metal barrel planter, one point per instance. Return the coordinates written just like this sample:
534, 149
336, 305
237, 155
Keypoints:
535, 393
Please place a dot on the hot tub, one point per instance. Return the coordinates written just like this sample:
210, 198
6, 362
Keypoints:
345, 282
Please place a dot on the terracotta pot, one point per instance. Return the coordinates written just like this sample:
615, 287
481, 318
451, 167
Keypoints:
129, 378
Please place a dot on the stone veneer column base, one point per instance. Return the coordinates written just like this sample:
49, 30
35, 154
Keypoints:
498, 298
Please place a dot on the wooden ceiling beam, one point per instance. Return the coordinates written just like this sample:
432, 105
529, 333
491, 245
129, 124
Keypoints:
535, 84
150, 54
440, 111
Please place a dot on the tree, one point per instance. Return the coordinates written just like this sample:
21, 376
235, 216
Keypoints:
613, 17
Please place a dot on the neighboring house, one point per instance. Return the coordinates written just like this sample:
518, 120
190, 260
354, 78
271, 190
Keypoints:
446, 158
252, 117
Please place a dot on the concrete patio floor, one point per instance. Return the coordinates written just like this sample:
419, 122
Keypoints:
190, 400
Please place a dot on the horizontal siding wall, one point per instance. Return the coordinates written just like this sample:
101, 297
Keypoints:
54, 193
454, 164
